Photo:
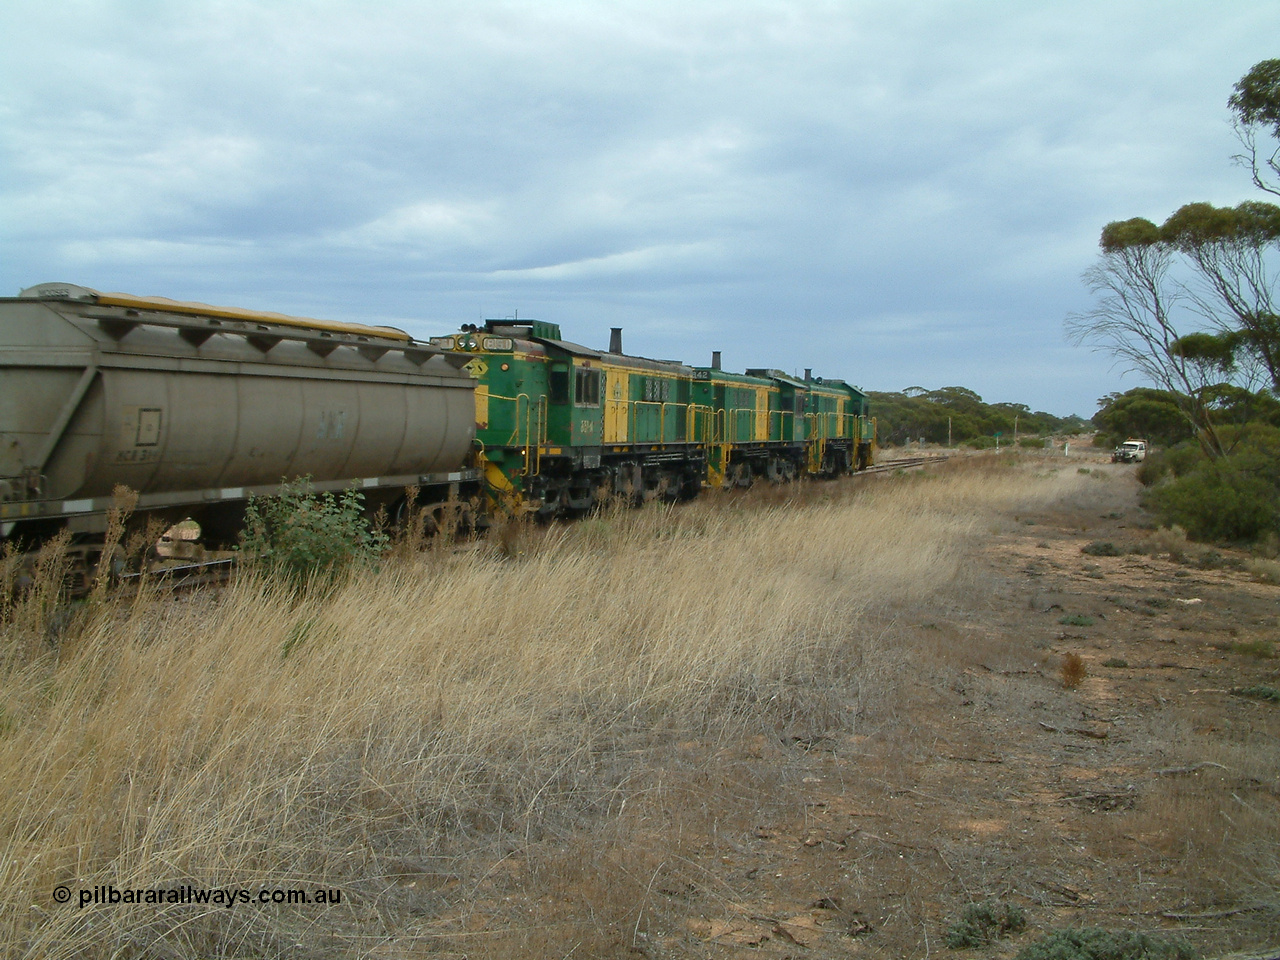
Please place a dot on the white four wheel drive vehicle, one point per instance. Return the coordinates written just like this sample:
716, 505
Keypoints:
1131, 451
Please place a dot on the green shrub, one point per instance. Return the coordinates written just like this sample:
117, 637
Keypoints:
1090, 944
1262, 649
1033, 443
1101, 548
1076, 620
983, 923
1174, 461
308, 538
981, 443
1234, 498
1260, 692
1218, 501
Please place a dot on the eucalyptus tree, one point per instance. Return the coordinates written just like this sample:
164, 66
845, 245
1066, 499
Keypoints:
1255, 106
1233, 253
1192, 304
1135, 314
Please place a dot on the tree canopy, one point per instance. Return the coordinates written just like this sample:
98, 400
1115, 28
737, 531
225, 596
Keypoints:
1255, 105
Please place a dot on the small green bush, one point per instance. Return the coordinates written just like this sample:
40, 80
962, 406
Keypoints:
981, 443
983, 923
1101, 548
1092, 944
307, 538
1262, 649
1259, 692
1115, 662
1076, 620
1033, 443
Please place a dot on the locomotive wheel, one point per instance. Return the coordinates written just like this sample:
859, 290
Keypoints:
452, 516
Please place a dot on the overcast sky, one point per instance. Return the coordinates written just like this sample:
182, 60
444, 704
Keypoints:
895, 193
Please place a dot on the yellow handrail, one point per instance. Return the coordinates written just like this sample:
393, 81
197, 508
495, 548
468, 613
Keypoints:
514, 439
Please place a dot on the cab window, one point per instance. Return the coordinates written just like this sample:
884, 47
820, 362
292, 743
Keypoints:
587, 388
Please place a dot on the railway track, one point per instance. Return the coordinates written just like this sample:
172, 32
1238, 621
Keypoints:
187, 576
183, 576
904, 463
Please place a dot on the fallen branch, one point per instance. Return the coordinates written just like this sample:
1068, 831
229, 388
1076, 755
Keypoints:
1175, 771
1213, 914
1078, 731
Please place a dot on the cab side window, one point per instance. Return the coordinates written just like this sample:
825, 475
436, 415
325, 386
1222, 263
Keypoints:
587, 388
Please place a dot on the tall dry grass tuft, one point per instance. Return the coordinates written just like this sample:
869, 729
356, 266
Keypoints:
1073, 670
33, 606
452, 701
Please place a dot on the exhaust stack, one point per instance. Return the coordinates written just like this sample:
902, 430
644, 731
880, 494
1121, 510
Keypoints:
715, 359
615, 339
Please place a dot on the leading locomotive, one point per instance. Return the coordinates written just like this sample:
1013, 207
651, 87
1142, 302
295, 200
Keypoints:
561, 427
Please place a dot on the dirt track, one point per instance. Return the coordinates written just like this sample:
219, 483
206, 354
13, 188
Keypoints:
1144, 799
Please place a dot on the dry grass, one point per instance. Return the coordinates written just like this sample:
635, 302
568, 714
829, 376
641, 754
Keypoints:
423, 729
1264, 570
1073, 670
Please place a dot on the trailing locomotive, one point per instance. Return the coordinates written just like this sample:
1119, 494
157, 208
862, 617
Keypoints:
197, 408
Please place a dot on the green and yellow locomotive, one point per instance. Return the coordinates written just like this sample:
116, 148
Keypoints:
561, 427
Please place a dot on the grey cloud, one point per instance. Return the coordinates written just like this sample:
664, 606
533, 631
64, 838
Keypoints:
907, 191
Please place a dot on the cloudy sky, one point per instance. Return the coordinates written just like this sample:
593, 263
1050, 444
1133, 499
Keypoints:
898, 193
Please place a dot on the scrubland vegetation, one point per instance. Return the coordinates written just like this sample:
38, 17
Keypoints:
1229, 497
960, 416
498, 748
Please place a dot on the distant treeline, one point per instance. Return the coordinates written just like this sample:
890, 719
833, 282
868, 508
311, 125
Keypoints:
917, 412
